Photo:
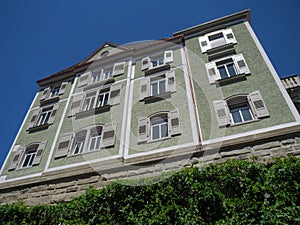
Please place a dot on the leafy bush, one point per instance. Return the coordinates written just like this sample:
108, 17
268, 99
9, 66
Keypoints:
236, 192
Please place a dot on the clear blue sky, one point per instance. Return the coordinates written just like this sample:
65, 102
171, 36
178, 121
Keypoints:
39, 38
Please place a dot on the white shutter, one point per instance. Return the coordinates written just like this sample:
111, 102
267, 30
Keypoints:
146, 63
171, 84
63, 87
64, 146
118, 69
84, 79
240, 64
212, 72
168, 56
109, 135
53, 114
142, 129
144, 88
17, 157
115, 94
45, 93
174, 123
221, 113
229, 36
258, 104
76, 104
39, 153
204, 43
34, 118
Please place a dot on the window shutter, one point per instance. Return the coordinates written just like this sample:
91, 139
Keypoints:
53, 114
115, 94
258, 104
168, 56
39, 153
212, 72
144, 88
142, 129
17, 157
63, 87
145, 63
171, 81
34, 118
84, 78
109, 135
45, 93
241, 64
64, 145
118, 69
174, 123
221, 113
229, 36
76, 104
204, 43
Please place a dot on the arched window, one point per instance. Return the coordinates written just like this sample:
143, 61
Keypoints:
95, 138
78, 142
30, 154
239, 109
159, 126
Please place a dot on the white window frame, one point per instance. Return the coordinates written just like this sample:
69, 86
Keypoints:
158, 59
31, 153
157, 81
97, 136
236, 107
160, 126
225, 64
89, 103
105, 94
44, 116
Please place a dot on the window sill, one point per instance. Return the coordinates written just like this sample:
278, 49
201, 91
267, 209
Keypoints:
157, 69
242, 123
99, 83
158, 97
93, 111
38, 128
233, 79
220, 48
157, 140
49, 100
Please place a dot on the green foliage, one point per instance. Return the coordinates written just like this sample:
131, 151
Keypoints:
236, 192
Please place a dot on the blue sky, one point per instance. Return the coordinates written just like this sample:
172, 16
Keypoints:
39, 38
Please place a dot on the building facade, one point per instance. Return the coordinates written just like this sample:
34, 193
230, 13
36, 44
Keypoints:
145, 107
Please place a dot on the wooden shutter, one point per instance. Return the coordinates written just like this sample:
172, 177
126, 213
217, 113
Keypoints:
146, 63
174, 123
168, 56
170, 79
212, 72
204, 43
143, 129
64, 145
221, 113
34, 118
241, 64
109, 135
17, 157
45, 93
84, 79
63, 87
144, 88
115, 94
39, 153
118, 69
76, 104
53, 114
229, 36
258, 104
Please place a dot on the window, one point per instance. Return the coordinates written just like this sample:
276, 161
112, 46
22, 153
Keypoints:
157, 85
25, 157
240, 109
108, 96
96, 76
43, 116
216, 39
107, 73
157, 60
228, 67
158, 126
89, 139
53, 91
101, 74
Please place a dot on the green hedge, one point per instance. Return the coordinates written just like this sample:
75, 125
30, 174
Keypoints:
236, 192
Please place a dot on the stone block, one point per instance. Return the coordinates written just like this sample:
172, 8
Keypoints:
288, 142
236, 152
281, 151
71, 189
66, 184
269, 145
89, 180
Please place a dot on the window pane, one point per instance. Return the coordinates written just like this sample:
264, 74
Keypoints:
26, 161
246, 114
231, 69
98, 143
92, 145
162, 86
164, 130
155, 132
236, 116
223, 71
154, 88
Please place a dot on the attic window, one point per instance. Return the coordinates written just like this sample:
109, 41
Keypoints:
105, 53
